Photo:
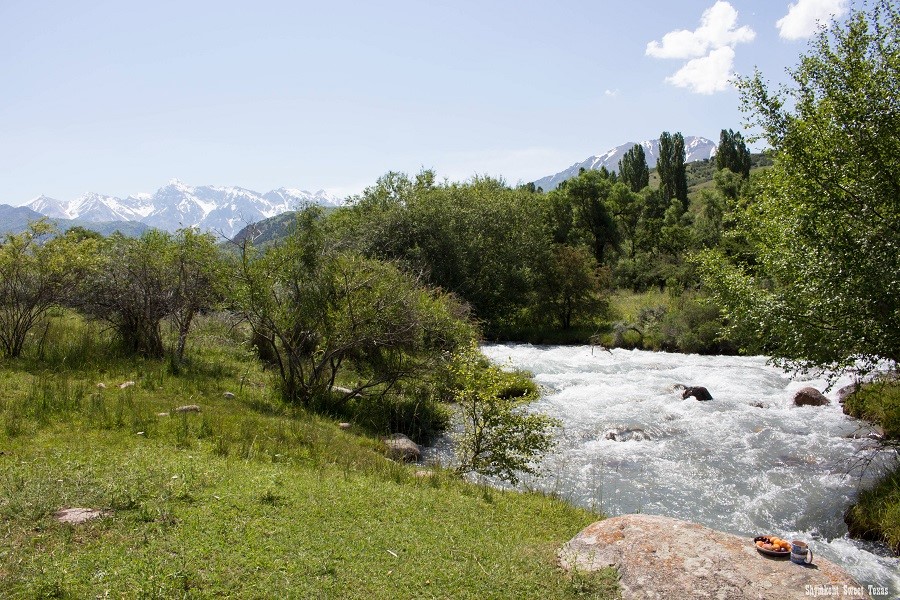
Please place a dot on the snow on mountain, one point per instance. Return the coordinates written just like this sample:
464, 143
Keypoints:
49, 207
695, 148
220, 209
295, 198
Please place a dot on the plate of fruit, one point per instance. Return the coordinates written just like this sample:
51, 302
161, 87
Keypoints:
772, 545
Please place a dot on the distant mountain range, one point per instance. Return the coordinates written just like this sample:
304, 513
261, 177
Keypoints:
223, 210
695, 148
227, 210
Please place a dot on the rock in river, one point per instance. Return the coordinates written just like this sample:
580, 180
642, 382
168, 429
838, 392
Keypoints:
810, 396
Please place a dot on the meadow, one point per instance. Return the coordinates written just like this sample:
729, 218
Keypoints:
247, 498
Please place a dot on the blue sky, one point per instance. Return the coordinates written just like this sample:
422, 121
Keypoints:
118, 99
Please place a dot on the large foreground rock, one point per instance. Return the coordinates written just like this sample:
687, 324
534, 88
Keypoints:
660, 557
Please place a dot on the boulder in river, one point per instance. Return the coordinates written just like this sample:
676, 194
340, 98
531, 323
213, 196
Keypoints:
661, 557
810, 396
698, 392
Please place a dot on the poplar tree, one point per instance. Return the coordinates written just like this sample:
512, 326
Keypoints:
733, 154
633, 169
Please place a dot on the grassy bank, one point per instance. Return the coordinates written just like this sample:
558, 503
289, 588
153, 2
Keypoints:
876, 514
246, 498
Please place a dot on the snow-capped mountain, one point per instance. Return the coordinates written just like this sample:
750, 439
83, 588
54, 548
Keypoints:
695, 148
49, 207
222, 210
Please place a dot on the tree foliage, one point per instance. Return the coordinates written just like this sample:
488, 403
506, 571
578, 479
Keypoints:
320, 312
571, 285
139, 282
732, 153
498, 438
825, 220
633, 169
671, 168
37, 272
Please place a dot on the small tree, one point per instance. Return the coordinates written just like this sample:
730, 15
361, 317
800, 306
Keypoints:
498, 438
133, 289
570, 284
37, 271
199, 269
319, 312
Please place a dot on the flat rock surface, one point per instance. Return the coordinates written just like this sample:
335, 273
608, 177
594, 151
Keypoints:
76, 516
660, 557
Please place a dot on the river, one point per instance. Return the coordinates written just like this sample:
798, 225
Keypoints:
748, 462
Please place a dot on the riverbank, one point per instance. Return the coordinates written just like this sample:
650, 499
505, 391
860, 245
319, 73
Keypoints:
245, 498
653, 320
876, 514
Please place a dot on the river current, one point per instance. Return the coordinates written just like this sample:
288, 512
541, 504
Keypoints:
748, 462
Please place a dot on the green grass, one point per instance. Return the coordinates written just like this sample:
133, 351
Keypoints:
247, 499
876, 514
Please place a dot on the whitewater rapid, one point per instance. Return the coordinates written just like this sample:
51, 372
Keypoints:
748, 462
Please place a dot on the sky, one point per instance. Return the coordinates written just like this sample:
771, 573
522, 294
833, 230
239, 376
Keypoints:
120, 97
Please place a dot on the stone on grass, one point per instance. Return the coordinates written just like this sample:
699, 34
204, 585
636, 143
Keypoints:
810, 396
344, 426
400, 447
76, 516
101, 386
661, 557
126, 384
228, 395
193, 408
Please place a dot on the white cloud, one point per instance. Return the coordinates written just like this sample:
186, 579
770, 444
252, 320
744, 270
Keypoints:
611, 93
803, 18
710, 49
716, 30
707, 74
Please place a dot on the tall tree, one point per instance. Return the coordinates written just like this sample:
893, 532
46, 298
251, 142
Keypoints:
665, 166
671, 168
732, 153
633, 169
825, 222
679, 171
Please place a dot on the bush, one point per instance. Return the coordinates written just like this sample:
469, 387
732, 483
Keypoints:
498, 438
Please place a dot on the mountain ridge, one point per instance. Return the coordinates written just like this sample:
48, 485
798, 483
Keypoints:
695, 148
222, 209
